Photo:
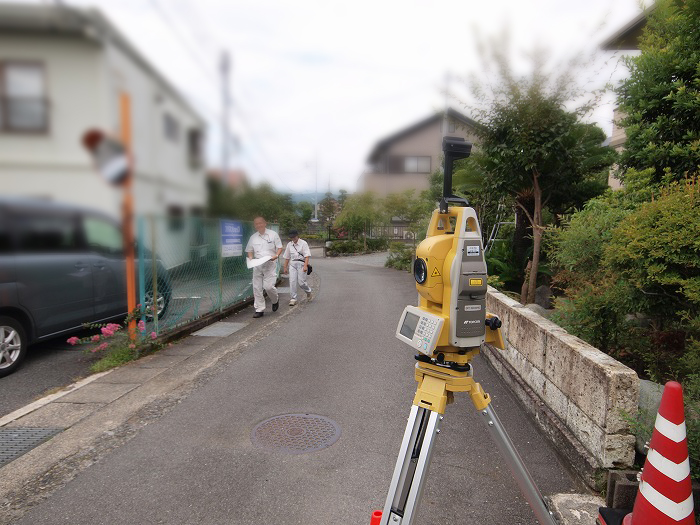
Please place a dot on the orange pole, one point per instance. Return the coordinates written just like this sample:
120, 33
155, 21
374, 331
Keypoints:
128, 212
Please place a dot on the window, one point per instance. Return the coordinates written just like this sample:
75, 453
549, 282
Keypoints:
176, 218
5, 237
47, 232
103, 236
171, 128
451, 126
194, 147
416, 164
23, 104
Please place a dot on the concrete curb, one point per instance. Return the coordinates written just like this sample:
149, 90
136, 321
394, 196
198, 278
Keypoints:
104, 411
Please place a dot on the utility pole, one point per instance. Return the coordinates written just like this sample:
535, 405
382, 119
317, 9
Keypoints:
446, 118
225, 68
315, 219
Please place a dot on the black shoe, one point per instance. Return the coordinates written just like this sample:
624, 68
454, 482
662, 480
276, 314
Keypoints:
258, 314
275, 306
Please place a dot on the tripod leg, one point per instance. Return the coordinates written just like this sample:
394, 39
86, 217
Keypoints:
517, 467
411, 469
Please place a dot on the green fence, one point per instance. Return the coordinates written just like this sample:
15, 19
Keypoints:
199, 268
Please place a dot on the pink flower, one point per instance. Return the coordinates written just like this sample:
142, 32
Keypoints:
73, 341
95, 338
107, 331
141, 326
114, 327
153, 335
132, 346
101, 347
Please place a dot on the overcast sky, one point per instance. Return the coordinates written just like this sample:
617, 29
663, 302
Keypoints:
326, 79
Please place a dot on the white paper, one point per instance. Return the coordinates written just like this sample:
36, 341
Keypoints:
252, 263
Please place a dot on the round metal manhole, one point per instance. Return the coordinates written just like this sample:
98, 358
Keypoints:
296, 433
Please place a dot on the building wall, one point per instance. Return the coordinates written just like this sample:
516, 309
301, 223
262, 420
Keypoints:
424, 142
84, 81
54, 165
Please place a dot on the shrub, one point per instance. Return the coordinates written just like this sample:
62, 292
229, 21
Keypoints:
377, 245
400, 256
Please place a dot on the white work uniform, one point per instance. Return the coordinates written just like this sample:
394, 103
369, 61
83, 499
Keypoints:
295, 254
265, 275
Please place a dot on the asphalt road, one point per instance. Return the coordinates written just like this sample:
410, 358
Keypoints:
338, 358
49, 365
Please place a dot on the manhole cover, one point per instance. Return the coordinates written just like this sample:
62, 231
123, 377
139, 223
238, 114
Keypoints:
19, 440
296, 433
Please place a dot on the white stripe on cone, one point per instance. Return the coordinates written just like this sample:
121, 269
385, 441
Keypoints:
675, 471
670, 508
670, 430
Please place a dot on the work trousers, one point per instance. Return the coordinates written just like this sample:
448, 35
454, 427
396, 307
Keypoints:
264, 277
297, 277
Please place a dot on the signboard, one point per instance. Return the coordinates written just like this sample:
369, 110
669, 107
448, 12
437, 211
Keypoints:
231, 238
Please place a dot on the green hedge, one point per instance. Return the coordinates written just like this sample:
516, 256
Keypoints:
350, 247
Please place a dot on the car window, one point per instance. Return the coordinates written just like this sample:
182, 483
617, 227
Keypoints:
5, 238
102, 236
43, 231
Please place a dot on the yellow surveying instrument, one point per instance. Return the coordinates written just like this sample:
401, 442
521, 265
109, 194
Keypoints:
447, 329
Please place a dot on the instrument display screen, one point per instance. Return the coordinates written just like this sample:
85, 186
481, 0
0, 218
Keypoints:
409, 326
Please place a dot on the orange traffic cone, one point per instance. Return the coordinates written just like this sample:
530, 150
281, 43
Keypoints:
665, 493
376, 517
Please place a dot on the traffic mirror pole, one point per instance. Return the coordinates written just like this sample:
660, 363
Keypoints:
128, 212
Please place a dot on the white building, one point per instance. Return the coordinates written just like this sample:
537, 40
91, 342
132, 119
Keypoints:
62, 72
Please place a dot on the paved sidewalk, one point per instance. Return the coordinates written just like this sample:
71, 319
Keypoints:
175, 445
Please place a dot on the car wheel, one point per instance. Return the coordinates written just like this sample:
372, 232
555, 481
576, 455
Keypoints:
13, 345
161, 303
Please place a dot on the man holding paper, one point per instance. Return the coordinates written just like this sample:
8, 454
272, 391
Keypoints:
264, 244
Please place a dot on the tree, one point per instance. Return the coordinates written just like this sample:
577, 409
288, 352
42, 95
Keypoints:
359, 212
661, 97
408, 208
532, 147
327, 207
305, 210
342, 197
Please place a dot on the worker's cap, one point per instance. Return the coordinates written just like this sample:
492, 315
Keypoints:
292, 233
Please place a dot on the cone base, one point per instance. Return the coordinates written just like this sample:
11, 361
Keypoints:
608, 516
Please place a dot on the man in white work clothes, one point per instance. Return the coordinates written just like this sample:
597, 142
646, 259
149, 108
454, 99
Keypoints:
296, 258
263, 243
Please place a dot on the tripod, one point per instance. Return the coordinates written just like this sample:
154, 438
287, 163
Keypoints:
437, 382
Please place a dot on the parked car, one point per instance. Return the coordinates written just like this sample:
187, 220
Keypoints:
61, 267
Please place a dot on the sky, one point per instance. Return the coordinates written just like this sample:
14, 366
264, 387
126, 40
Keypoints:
315, 83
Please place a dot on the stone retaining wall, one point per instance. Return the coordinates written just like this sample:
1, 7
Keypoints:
578, 394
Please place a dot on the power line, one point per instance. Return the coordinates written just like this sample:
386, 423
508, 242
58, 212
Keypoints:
182, 39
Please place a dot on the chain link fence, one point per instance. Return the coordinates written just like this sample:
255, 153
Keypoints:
199, 268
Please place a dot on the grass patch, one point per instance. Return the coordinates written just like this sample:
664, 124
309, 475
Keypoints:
115, 357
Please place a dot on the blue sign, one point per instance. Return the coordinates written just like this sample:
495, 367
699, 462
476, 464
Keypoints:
231, 238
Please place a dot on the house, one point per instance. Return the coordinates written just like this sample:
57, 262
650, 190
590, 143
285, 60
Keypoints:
625, 39
405, 159
63, 70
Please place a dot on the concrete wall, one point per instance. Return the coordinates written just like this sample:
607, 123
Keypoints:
578, 394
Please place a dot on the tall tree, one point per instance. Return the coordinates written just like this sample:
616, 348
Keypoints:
408, 208
342, 197
359, 212
327, 207
532, 147
661, 97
